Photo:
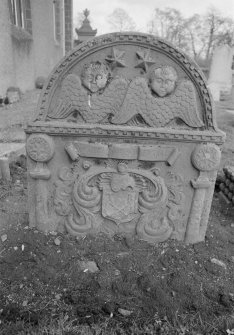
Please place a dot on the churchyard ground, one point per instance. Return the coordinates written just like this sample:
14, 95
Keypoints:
56, 284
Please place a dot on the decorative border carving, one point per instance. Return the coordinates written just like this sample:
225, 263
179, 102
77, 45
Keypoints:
137, 133
145, 40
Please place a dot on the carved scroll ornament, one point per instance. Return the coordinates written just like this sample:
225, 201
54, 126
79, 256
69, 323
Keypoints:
94, 197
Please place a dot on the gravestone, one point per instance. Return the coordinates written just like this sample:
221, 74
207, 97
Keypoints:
124, 141
230, 103
220, 76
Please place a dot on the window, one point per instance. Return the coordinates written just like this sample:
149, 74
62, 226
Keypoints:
57, 21
20, 14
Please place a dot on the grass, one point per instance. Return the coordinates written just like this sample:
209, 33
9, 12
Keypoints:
64, 325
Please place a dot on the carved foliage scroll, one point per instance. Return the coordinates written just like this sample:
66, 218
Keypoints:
118, 195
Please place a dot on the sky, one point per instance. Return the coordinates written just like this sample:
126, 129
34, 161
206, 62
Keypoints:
141, 10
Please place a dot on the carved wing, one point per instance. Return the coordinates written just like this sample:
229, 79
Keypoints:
157, 112
136, 94
93, 108
111, 100
72, 98
184, 100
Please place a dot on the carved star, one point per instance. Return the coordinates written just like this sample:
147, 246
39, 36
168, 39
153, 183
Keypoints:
145, 60
117, 58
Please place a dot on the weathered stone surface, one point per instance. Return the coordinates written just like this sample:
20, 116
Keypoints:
125, 141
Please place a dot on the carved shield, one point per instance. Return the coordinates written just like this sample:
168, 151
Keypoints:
121, 206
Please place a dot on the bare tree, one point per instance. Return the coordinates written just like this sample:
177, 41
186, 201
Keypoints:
169, 24
119, 20
197, 35
219, 30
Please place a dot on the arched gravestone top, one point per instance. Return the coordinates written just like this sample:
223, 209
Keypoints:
128, 79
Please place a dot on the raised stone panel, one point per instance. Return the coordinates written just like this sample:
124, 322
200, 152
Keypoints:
125, 141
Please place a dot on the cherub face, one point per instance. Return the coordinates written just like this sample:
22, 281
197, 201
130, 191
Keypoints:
95, 77
163, 81
101, 80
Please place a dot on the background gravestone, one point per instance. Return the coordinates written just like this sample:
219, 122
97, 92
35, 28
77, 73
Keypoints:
125, 141
220, 76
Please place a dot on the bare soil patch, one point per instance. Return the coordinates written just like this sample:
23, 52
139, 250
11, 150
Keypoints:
124, 284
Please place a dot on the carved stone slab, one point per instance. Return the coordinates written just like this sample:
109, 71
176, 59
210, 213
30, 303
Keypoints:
124, 141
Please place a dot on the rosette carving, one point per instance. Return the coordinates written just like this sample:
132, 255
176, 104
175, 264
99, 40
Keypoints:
40, 148
206, 157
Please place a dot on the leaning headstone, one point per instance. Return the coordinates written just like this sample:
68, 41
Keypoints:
125, 141
220, 76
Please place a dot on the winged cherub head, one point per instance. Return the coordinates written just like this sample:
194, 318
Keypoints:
95, 76
163, 80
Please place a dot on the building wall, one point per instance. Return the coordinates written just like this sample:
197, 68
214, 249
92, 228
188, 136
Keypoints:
6, 61
47, 51
23, 63
26, 54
